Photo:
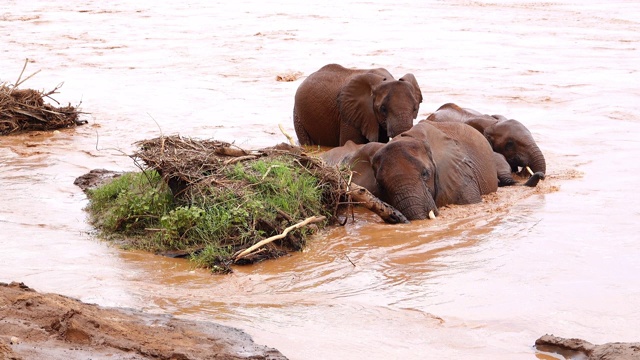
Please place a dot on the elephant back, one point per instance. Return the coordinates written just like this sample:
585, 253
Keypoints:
316, 111
451, 112
315, 108
479, 151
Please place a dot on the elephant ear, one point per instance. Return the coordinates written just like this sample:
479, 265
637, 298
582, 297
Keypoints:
360, 163
355, 102
416, 88
455, 179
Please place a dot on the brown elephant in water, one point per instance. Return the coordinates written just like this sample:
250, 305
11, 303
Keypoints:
426, 167
507, 137
336, 104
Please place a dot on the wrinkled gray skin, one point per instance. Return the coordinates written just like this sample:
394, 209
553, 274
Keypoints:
336, 104
429, 166
507, 137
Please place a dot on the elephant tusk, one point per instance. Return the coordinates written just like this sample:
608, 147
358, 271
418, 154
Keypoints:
530, 171
432, 216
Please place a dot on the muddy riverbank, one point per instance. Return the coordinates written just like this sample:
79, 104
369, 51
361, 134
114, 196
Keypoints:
50, 326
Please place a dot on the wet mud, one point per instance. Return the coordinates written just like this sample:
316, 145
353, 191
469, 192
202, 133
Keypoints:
49, 326
582, 349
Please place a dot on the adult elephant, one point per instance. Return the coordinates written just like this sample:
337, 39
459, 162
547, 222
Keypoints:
336, 104
507, 137
426, 167
432, 165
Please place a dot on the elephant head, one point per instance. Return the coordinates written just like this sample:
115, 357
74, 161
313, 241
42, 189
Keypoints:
507, 137
379, 106
513, 140
406, 175
425, 168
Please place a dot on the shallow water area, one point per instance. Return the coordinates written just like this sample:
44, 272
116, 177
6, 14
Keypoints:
479, 282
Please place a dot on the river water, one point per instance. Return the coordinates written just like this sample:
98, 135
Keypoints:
562, 259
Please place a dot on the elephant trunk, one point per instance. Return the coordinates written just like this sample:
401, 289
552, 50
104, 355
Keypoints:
537, 161
415, 205
399, 123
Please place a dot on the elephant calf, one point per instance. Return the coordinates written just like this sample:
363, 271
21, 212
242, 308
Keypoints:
335, 104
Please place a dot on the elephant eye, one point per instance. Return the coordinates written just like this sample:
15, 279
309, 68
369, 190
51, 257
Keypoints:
425, 174
383, 109
510, 145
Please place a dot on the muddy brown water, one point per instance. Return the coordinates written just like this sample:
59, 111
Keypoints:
480, 282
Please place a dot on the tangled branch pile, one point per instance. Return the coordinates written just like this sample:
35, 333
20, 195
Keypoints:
191, 166
25, 109
232, 199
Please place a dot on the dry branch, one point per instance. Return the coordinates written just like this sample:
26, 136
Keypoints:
365, 198
244, 253
289, 137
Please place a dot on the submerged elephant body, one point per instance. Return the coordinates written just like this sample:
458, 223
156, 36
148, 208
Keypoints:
426, 167
507, 137
336, 104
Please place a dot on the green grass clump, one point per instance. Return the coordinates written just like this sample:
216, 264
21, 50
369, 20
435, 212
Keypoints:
130, 203
258, 199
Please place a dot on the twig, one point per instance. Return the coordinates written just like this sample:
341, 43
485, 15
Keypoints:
268, 170
20, 76
314, 219
19, 82
239, 158
161, 134
48, 94
291, 141
347, 256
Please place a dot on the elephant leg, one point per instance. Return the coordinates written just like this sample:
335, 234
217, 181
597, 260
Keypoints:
301, 132
348, 132
504, 170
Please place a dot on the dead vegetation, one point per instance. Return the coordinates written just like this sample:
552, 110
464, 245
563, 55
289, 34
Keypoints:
190, 166
26, 110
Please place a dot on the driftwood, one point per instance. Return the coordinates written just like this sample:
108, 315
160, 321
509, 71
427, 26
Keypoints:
289, 137
364, 197
244, 253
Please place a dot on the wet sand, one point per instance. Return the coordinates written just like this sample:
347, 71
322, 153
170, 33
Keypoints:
562, 260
